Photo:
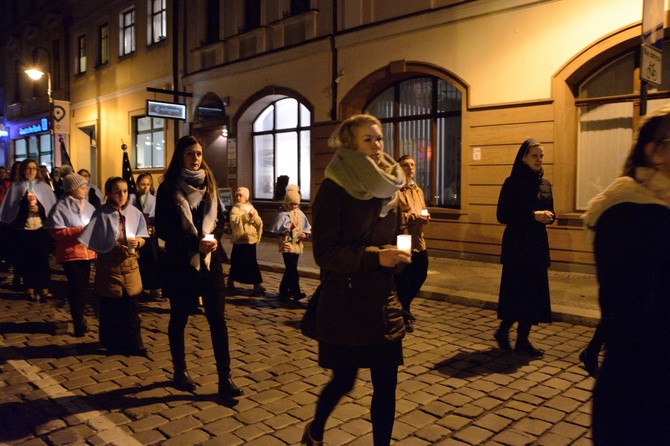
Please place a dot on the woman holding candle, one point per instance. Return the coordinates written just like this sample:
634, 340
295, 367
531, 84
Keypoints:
25, 208
66, 221
413, 217
247, 228
526, 206
189, 217
115, 232
359, 317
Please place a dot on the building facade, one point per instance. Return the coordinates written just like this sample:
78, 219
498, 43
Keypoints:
459, 85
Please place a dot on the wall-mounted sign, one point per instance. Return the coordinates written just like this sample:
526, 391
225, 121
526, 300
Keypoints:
29, 128
167, 110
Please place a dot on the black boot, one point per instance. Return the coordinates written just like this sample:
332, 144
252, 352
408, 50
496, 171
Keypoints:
182, 381
227, 388
590, 361
523, 345
502, 336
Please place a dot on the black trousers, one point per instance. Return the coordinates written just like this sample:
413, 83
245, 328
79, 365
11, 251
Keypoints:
181, 307
410, 280
290, 281
32, 259
78, 273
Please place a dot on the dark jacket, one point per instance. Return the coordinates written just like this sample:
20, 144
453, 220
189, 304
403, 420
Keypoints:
179, 276
358, 304
631, 402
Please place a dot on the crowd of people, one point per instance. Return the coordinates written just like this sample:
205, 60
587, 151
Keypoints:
368, 280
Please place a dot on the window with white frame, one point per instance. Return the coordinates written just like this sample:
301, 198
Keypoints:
103, 44
157, 29
421, 117
606, 105
81, 54
281, 138
149, 135
127, 32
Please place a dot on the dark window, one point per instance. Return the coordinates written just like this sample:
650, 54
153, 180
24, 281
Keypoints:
213, 21
81, 54
252, 14
127, 32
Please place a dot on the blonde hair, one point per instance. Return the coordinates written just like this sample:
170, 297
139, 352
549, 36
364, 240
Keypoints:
345, 135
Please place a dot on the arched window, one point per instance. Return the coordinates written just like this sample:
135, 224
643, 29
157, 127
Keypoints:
606, 106
421, 117
281, 138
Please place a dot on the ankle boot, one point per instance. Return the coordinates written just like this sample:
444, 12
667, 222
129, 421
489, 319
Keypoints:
590, 361
307, 437
227, 388
182, 381
502, 337
523, 346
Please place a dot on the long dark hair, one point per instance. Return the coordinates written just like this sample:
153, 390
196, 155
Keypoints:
22, 170
654, 129
173, 172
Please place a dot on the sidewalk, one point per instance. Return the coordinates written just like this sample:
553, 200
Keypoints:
574, 296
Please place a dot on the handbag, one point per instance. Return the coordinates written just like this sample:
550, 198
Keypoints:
308, 324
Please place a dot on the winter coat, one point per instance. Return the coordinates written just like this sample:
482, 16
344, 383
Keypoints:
245, 229
411, 202
289, 225
358, 304
65, 223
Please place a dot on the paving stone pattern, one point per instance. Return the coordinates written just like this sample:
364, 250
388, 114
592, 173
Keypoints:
455, 388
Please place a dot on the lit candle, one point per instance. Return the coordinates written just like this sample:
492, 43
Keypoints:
209, 237
404, 242
130, 236
85, 220
424, 212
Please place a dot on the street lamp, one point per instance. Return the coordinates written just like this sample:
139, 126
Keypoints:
36, 74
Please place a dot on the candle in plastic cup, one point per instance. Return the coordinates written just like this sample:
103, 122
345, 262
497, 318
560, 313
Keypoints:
130, 236
85, 220
209, 237
405, 243
424, 212
32, 198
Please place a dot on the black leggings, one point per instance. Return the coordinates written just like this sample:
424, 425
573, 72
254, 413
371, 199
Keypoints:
384, 381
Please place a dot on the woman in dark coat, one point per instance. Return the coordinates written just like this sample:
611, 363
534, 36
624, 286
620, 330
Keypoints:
629, 223
189, 217
526, 206
359, 317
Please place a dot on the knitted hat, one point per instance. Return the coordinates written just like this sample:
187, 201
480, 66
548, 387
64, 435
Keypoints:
244, 191
292, 194
72, 182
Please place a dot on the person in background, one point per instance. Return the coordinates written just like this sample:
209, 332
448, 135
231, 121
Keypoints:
247, 228
526, 206
413, 217
292, 227
57, 181
359, 318
66, 222
25, 208
189, 217
94, 195
6, 240
44, 171
145, 201
629, 225
4, 182
116, 231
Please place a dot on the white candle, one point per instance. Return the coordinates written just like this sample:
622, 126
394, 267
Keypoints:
404, 242
424, 212
209, 237
85, 220
130, 236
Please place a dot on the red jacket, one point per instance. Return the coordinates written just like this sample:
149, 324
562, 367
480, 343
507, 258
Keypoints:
68, 247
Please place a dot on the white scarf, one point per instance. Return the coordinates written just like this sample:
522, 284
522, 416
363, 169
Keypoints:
362, 178
648, 187
188, 199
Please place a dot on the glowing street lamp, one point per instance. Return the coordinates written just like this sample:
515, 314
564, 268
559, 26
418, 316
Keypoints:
36, 74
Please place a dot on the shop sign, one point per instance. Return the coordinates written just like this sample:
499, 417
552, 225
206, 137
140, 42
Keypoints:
29, 128
168, 110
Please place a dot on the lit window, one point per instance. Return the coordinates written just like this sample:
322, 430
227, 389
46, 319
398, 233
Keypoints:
421, 117
157, 31
605, 109
103, 36
149, 136
127, 32
281, 136
81, 54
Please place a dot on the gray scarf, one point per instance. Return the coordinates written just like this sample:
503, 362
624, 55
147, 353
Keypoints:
363, 179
